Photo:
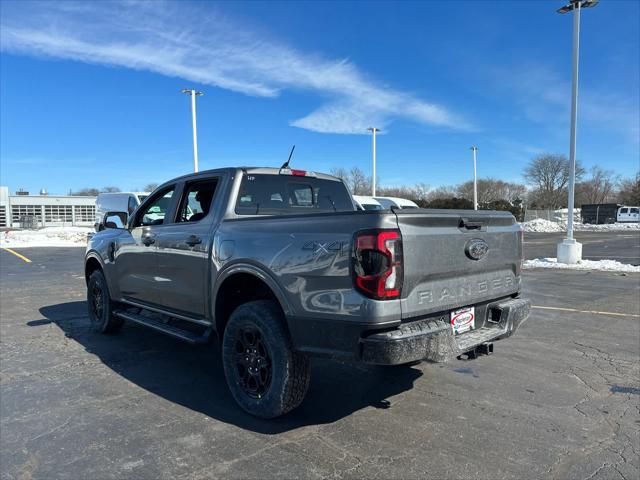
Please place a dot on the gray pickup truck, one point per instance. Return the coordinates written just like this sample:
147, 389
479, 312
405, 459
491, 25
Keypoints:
279, 265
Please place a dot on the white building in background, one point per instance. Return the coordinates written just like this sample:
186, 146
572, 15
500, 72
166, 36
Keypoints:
23, 210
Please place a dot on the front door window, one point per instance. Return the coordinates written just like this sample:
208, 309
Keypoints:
154, 212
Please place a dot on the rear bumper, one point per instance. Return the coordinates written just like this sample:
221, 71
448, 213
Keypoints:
432, 339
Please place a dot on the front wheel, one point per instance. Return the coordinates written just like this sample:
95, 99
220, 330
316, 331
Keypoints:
100, 305
266, 376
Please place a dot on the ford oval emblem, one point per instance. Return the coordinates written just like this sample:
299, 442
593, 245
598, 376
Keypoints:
476, 248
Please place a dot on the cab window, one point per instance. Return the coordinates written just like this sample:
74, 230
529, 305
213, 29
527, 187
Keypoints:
154, 212
285, 194
300, 195
197, 200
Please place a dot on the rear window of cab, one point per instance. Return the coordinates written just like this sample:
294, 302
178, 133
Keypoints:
264, 194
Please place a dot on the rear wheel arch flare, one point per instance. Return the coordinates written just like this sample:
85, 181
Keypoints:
241, 285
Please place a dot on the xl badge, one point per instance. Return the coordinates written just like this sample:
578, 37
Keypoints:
476, 248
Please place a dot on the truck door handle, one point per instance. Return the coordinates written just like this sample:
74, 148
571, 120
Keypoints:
148, 240
193, 240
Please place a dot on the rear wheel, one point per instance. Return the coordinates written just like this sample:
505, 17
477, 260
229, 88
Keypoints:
100, 305
266, 376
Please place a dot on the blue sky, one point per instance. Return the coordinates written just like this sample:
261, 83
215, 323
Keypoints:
89, 92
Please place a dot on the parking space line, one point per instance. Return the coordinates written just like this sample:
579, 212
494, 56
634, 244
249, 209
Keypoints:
17, 254
562, 309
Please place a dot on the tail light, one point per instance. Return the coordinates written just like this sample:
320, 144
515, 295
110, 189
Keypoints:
521, 233
296, 173
377, 263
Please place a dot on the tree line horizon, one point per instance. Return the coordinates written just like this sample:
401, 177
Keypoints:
546, 177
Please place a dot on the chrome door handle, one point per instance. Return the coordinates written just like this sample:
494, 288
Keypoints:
193, 240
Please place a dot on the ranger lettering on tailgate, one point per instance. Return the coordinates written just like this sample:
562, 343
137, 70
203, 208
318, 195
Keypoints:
446, 295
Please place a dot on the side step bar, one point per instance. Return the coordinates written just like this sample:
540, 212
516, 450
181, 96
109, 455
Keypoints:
163, 327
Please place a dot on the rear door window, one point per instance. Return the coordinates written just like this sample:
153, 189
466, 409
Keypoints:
197, 200
286, 194
634, 210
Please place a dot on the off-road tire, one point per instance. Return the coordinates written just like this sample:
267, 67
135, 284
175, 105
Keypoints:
289, 374
101, 310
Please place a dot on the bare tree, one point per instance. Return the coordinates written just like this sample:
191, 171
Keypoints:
442, 192
150, 187
93, 192
360, 183
417, 193
355, 179
86, 192
598, 188
630, 191
340, 173
421, 191
491, 190
548, 174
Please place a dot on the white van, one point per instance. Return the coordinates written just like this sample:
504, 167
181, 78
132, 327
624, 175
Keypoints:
628, 214
388, 202
116, 202
367, 203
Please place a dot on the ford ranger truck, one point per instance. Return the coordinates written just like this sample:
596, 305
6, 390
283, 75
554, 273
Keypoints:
279, 266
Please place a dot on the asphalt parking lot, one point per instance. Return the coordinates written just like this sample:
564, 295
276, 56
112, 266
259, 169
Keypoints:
561, 399
622, 246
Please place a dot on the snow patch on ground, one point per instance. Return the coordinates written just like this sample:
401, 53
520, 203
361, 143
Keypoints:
604, 265
46, 237
542, 225
613, 227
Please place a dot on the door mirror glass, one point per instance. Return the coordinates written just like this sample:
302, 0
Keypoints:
115, 220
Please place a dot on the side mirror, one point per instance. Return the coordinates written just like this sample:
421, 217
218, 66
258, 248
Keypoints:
115, 220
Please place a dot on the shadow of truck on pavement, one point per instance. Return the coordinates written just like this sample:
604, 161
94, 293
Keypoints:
192, 376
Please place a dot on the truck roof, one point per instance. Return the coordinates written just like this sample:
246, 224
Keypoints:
256, 170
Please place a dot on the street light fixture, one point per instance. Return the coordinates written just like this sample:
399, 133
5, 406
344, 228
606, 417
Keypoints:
475, 179
373, 130
571, 5
194, 94
570, 251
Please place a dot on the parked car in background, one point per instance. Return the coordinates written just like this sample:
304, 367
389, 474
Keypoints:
367, 203
279, 266
116, 202
388, 202
628, 214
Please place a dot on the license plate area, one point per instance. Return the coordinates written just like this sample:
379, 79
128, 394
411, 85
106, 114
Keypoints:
463, 320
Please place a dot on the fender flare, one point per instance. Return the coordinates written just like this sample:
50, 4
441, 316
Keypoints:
257, 271
92, 254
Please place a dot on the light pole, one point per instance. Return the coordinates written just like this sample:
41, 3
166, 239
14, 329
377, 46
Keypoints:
475, 179
194, 94
570, 251
373, 130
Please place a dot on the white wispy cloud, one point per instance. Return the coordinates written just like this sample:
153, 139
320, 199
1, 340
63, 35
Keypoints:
545, 97
203, 45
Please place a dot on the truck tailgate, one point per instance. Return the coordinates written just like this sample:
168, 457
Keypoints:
440, 271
